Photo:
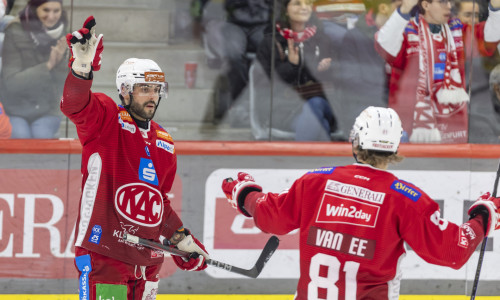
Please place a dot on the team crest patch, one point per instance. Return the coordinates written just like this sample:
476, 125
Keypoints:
325, 170
164, 135
408, 191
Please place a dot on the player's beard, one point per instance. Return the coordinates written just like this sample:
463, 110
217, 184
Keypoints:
140, 110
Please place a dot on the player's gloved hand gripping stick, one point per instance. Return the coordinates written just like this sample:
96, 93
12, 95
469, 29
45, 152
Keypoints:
491, 205
267, 252
197, 260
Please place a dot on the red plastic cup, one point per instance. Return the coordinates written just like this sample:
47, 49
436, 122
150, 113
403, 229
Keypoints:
190, 74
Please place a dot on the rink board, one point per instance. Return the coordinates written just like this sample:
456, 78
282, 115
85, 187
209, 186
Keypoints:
39, 191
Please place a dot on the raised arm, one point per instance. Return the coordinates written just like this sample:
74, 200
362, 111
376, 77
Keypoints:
389, 40
492, 26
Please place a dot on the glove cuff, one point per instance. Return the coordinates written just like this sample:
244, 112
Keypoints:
488, 211
242, 196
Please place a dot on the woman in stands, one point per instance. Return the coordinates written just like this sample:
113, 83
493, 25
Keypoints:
303, 60
34, 69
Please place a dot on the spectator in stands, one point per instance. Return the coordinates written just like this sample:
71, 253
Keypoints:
303, 60
364, 75
480, 62
338, 17
34, 69
485, 118
426, 52
230, 40
467, 11
5, 19
5, 126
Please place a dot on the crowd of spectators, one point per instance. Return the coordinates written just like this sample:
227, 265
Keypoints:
434, 61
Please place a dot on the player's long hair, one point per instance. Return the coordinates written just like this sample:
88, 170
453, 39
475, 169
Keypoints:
377, 158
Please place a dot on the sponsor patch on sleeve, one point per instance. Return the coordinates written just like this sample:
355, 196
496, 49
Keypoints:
165, 146
465, 233
324, 170
164, 135
405, 189
125, 116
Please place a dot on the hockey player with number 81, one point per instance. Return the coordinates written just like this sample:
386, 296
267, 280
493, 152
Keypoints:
354, 219
128, 167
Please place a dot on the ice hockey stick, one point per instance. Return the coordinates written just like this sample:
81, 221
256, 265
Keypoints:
483, 245
265, 255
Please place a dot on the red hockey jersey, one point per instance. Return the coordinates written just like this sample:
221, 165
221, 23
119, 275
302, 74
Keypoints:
127, 173
353, 222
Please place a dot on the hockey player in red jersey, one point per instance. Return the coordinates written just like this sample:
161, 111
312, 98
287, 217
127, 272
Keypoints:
354, 219
128, 167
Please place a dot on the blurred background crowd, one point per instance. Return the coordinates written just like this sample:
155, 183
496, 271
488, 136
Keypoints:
267, 69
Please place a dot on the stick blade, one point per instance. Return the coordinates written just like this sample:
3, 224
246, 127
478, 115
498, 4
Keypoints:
268, 251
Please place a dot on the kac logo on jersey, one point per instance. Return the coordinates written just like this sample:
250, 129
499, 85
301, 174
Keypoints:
147, 172
406, 190
139, 203
165, 146
95, 236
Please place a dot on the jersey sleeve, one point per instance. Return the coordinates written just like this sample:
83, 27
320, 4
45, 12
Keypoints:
485, 48
172, 222
82, 107
437, 240
491, 32
267, 208
390, 40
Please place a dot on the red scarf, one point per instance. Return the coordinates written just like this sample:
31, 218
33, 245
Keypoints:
297, 37
450, 90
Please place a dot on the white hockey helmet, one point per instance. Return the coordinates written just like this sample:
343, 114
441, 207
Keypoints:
377, 128
137, 70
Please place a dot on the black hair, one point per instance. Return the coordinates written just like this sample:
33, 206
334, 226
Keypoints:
284, 21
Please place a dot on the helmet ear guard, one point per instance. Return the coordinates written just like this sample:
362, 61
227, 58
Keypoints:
378, 129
